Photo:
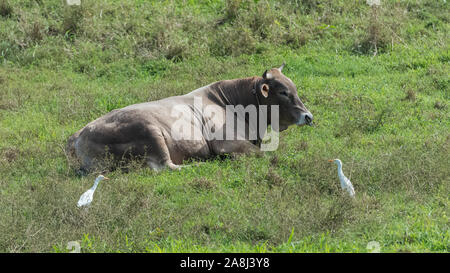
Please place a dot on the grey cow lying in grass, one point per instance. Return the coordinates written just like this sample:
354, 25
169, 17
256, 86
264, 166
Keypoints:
149, 130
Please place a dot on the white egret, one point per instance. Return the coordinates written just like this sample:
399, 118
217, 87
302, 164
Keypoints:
86, 198
73, 2
345, 182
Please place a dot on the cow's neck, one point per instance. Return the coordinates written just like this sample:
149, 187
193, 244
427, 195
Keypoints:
238, 92
241, 92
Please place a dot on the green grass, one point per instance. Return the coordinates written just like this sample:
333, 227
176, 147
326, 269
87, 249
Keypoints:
385, 114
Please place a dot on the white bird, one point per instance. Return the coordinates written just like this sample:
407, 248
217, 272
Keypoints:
86, 198
73, 2
345, 182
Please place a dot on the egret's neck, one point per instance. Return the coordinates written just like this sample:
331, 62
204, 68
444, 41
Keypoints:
340, 169
95, 184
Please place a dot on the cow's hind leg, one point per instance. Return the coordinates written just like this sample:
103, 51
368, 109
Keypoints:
159, 155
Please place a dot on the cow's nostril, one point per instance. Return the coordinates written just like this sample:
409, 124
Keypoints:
308, 118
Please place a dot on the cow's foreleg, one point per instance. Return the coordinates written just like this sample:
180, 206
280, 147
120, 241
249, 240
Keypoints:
158, 166
223, 147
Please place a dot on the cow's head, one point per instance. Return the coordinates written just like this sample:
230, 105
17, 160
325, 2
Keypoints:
278, 89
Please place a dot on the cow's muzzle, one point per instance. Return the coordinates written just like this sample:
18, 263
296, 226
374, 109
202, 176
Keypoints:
305, 118
308, 119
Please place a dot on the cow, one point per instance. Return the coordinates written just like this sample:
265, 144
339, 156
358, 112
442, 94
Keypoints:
146, 130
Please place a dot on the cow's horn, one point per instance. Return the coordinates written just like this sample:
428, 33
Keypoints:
267, 75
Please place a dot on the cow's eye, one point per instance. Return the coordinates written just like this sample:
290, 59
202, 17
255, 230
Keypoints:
284, 93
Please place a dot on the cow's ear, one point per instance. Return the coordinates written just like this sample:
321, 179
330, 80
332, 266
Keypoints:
267, 75
265, 90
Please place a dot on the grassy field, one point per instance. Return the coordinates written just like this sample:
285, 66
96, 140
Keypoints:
375, 78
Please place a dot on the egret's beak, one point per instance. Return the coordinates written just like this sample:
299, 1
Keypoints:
331, 160
106, 178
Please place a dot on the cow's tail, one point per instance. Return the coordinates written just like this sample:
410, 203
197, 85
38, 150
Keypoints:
73, 158
70, 147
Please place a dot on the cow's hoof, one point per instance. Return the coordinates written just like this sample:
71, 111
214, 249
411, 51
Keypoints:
175, 167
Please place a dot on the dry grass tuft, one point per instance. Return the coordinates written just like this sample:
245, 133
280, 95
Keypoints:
440, 105
202, 184
6, 9
410, 95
